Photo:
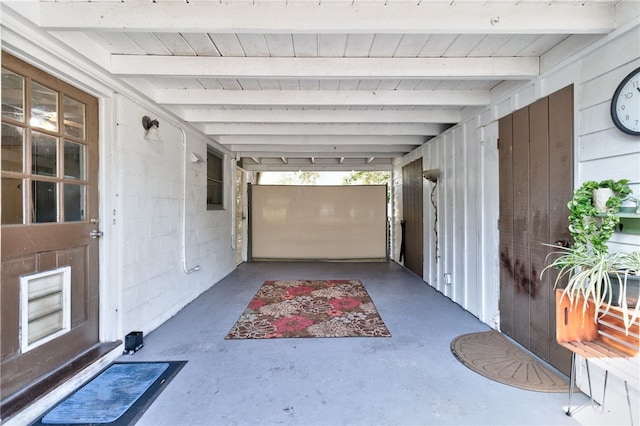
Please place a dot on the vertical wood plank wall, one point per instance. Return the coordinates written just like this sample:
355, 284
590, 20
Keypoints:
560, 107
467, 201
507, 305
412, 209
528, 183
601, 152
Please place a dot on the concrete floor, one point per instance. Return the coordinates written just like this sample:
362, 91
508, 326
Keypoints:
408, 379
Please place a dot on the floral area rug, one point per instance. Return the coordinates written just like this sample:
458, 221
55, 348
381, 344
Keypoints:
310, 308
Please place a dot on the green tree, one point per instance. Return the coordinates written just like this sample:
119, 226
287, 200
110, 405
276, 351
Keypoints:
308, 178
367, 178
299, 178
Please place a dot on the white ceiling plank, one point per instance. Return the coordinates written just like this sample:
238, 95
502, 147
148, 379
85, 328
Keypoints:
148, 43
308, 84
210, 83
227, 44
388, 84
254, 45
444, 68
230, 84
201, 44
324, 97
351, 84
311, 17
542, 44
250, 84
437, 45
280, 45
369, 129
463, 45
384, 45
515, 45
332, 45
358, 45
175, 44
305, 45
368, 84
269, 84
489, 45
411, 45
121, 43
172, 83
288, 84
320, 116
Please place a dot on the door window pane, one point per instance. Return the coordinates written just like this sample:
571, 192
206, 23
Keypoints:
74, 202
43, 154
44, 202
12, 148
12, 201
44, 107
74, 160
73, 118
12, 95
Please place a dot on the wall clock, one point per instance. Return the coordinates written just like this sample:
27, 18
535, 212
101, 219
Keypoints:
625, 104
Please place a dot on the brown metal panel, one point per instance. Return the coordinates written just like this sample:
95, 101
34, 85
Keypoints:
506, 302
412, 214
560, 192
539, 292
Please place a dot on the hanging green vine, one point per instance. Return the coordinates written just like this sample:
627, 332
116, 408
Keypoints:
589, 227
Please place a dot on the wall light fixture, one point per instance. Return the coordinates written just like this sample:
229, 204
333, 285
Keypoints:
151, 129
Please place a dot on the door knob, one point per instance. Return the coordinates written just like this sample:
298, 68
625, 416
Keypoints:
96, 234
563, 243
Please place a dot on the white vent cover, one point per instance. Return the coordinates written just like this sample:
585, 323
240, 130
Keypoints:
45, 308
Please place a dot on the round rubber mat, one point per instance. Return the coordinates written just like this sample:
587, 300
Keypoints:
493, 356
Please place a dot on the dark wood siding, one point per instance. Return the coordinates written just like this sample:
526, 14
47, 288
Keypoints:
536, 169
412, 214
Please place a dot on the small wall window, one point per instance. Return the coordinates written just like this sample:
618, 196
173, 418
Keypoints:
44, 306
215, 180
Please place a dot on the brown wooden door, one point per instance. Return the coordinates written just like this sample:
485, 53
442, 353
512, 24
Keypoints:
412, 214
536, 179
49, 292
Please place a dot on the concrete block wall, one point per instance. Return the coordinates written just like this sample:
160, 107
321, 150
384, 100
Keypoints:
151, 208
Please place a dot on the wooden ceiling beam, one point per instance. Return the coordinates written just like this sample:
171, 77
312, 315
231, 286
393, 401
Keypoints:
373, 129
486, 68
323, 97
433, 16
194, 115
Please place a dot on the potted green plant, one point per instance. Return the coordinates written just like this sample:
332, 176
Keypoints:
591, 271
590, 227
626, 288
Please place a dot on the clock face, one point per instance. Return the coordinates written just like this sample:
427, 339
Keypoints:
625, 105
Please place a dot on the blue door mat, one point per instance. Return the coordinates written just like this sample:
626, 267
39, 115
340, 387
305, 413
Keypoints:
118, 395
